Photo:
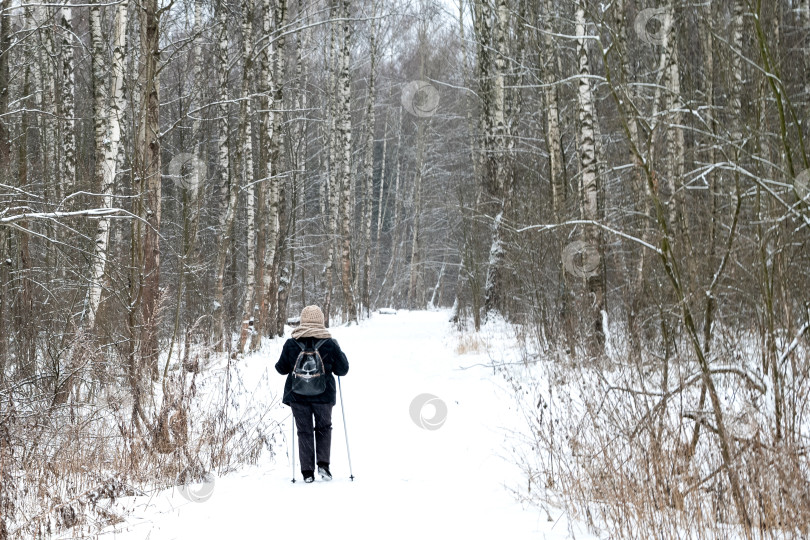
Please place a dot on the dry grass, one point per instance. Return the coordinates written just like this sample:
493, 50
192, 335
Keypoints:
63, 467
470, 344
608, 445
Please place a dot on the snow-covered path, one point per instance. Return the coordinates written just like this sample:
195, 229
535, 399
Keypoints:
410, 482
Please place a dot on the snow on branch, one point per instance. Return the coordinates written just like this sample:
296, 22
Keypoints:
551, 226
91, 213
794, 343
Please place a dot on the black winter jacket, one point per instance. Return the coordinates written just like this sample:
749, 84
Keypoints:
334, 361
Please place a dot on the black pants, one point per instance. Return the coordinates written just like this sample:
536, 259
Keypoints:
312, 438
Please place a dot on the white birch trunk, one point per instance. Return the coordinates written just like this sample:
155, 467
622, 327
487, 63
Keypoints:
269, 200
497, 167
108, 137
346, 166
589, 171
553, 134
245, 162
68, 101
369, 167
277, 294
226, 219
332, 188
198, 63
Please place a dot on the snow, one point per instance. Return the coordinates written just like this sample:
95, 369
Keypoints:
432, 449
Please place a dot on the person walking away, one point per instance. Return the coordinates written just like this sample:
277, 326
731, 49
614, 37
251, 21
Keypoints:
310, 359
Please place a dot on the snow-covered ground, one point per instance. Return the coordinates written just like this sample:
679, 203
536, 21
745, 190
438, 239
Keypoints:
449, 474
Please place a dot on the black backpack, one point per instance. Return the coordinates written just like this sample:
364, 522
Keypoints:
309, 375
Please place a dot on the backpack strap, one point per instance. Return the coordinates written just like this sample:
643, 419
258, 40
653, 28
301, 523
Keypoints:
317, 344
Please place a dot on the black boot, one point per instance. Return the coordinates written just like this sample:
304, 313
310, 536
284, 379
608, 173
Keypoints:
323, 470
309, 476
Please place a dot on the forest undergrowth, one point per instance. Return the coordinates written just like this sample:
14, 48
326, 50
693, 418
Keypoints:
630, 446
64, 465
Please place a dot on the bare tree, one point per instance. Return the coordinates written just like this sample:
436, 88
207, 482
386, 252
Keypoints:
108, 111
148, 182
345, 130
589, 170
245, 162
231, 189
67, 99
368, 161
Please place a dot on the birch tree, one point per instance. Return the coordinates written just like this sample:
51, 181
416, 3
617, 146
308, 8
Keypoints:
277, 294
369, 164
227, 218
589, 171
265, 195
345, 130
67, 100
332, 136
245, 162
496, 169
553, 134
268, 237
109, 106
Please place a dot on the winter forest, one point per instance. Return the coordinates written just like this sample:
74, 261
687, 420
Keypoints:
625, 184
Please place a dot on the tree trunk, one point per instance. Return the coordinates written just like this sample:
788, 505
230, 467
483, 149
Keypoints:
245, 162
805, 25
395, 222
641, 186
148, 171
346, 166
5, 176
369, 167
381, 205
108, 110
676, 151
226, 219
278, 300
466, 269
590, 178
415, 281
268, 237
496, 168
26, 342
332, 181
553, 134
67, 101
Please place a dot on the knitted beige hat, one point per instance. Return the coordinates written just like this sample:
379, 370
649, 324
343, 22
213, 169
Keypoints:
311, 315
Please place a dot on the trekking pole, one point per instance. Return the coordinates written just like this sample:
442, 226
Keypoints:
345, 431
293, 447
